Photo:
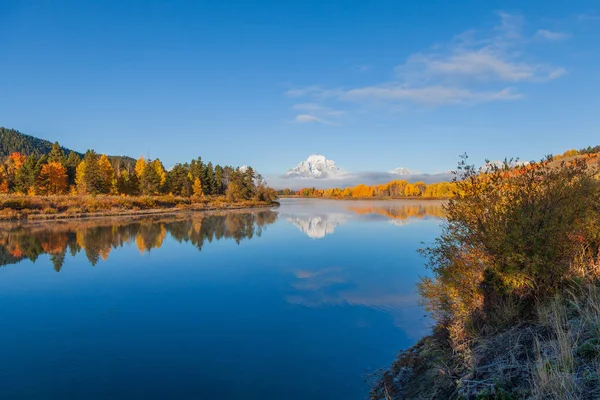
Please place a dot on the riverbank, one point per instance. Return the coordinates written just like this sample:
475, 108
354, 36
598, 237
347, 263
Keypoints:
42, 208
382, 198
552, 356
514, 291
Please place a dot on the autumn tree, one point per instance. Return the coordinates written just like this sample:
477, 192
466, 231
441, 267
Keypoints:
197, 188
128, 183
140, 166
108, 175
53, 179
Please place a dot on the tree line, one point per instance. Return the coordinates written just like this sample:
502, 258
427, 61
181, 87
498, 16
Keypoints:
396, 188
56, 173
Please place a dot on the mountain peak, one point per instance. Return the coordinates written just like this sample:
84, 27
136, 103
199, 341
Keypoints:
402, 171
315, 166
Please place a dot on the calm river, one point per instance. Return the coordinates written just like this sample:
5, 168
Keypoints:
299, 302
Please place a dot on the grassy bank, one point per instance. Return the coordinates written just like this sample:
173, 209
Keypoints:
514, 293
16, 207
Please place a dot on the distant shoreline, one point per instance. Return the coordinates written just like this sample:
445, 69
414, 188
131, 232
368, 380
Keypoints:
364, 198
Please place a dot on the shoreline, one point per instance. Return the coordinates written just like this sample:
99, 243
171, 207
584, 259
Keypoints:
30, 215
416, 198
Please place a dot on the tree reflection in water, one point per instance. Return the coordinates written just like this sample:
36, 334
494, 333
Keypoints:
98, 237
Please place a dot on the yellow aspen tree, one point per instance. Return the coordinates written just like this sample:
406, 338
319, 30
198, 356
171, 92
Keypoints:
108, 174
80, 178
140, 166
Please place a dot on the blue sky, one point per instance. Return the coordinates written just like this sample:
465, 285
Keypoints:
373, 85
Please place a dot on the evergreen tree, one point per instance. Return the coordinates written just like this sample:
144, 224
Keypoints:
248, 183
71, 164
57, 154
92, 179
27, 175
150, 181
196, 169
210, 176
219, 180
178, 181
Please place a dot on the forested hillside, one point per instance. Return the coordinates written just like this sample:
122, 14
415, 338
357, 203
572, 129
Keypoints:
13, 141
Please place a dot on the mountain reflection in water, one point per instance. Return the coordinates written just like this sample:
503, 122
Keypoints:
96, 238
399, 212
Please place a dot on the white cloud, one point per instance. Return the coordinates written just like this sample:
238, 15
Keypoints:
544, 34
316, 108
474, 67
308, 118
430, 95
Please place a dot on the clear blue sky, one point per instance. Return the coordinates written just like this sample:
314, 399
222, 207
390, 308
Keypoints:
373, 85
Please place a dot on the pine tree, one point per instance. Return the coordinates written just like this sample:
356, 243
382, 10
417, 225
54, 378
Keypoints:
27, 175
71, 164
91, 176
178, 181
150, 181
210, 176
248, 183
219, 180
57, 154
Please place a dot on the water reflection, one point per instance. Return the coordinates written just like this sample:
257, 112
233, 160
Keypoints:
317, 226
96, 238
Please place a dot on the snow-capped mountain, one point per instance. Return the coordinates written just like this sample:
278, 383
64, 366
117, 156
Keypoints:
402, 171
315, 166
243, 168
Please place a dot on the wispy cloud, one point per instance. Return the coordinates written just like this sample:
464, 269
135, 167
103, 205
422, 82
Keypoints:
544, 34
308, 118
474, 67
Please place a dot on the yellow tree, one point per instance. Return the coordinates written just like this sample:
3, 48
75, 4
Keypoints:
197, 188
108, 174
80, 178
140, 166
53, 177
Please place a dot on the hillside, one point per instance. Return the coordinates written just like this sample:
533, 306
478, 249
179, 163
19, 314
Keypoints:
12, 141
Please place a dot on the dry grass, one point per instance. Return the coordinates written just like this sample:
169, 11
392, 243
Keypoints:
555, 356
14, 207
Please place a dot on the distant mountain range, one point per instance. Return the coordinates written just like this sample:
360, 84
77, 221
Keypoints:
315, 166
320, 172
12, 141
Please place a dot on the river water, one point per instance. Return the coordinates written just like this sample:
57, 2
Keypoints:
301, 301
